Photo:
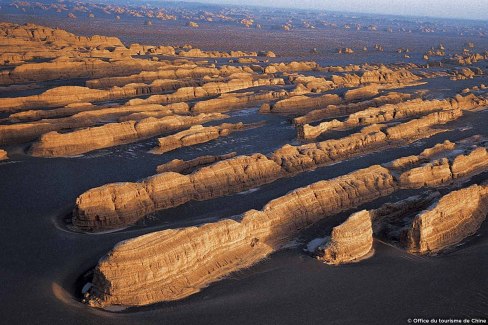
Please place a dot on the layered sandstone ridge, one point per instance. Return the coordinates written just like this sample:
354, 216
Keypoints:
183, 261
54, 144
370, 82
64, 95
198, 134
85, 116
95, 210
382, 114
449, 221
332, 111
187, 167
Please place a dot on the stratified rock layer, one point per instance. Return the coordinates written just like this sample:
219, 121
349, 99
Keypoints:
454, 217
198, 134
54, 144
173, 264
350, 241
186, 167
91, 212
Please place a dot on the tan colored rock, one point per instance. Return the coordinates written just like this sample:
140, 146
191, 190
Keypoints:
466, 165
3, 155
302, 103
92, 215
173, 72
198, 134
173, 264
444, 170
346, 109
187, 167
207, 90
230, 101
454, 217
64, 95
88, 116
54, 144
381, 114
361, 93
350, 241
120, 204
418, 126
74, 68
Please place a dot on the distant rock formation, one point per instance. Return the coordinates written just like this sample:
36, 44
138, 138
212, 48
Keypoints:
332, 111
434, 111
192, 24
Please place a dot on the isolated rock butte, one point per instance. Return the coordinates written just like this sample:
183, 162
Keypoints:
350, 241
454, 217
54, 144
173, 264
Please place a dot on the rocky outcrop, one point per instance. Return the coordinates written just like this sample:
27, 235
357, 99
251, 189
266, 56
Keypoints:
230, 101
207, 90
120, 204
291, 67
361, 93
181, 262
332, 111
302, 103
3, 155
87, 116
444, 170
350, 241
421, 125
377, 75
381, 114
74, 68
391, 219
187, 90
199, 134
438, 112
92, 215
171, 72
454, 217
54, 144
189, 166
197, 53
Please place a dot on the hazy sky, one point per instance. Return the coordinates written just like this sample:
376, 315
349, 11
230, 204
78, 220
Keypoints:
471, 9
